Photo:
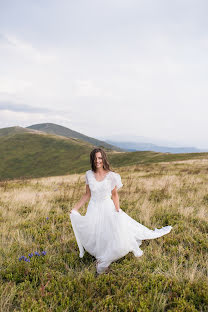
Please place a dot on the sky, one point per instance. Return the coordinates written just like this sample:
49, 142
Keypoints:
130, 68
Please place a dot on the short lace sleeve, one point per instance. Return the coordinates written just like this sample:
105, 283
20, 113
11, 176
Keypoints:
86, 179
116, 181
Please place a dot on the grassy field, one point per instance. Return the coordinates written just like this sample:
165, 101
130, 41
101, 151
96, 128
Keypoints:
170, 276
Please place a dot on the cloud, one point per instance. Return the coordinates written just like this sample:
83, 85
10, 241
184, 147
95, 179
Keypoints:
86, 88
12, 85
25, 49
134, 66
24, 119
14, 107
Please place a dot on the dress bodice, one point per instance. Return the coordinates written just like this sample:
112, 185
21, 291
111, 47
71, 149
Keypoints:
101, 190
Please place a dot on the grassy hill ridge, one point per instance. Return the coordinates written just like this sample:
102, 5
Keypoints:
27, 153
14, 130
52, 128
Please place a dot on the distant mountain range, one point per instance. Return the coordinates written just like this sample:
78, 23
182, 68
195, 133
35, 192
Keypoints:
134, 146
133, 142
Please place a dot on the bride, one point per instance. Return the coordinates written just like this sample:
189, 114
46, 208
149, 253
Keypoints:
106, 231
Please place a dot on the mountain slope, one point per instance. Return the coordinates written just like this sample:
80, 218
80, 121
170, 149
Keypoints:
37, 155
27, 153
66, 132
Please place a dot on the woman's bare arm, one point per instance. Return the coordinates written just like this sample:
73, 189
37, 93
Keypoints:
83, 200
115, 198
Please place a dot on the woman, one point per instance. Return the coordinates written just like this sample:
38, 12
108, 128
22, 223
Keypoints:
106, 231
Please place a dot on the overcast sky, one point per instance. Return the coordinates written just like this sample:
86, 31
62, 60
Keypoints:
124, 67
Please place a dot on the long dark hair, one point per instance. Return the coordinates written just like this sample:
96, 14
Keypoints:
106, 165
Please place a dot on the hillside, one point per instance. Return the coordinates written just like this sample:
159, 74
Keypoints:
66, 132
170, 276
27, 153
147, 157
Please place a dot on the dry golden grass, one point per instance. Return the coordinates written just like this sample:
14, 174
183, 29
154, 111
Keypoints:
156, 195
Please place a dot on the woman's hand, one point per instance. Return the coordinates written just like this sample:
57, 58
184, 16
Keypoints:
73, 209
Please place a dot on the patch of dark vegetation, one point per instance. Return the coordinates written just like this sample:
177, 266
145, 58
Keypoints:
159, 195
205, 199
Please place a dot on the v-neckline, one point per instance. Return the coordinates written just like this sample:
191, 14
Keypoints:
102, 179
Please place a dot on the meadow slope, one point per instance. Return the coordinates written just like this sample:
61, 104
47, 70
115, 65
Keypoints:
25, 153
170, 276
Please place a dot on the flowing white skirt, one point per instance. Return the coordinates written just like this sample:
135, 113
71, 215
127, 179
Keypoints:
109, 235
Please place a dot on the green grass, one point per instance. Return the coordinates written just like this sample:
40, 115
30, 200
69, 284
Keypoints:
34, 155
24, 154
148, 157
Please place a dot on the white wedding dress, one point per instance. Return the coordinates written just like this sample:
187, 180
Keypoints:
105, 233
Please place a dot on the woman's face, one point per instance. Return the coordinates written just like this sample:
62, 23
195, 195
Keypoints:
98, 160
